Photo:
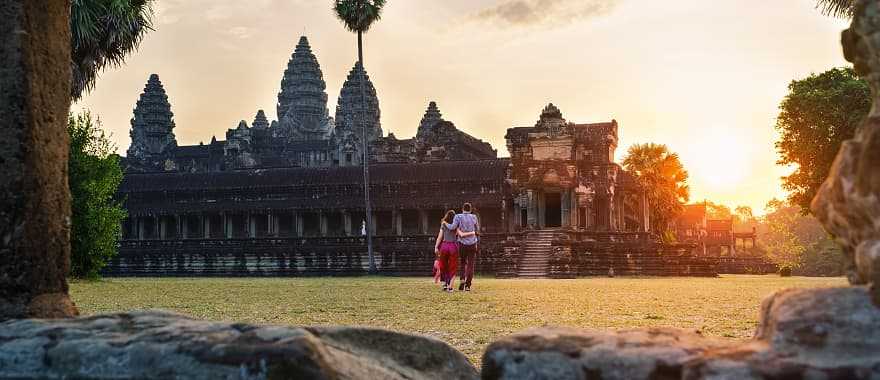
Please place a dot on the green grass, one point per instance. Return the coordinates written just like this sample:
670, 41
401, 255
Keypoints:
723, 307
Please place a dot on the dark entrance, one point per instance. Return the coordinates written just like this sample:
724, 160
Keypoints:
552, 210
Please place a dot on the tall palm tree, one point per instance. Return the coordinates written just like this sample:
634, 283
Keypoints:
837, 8
358, 16
103, 32
662, 175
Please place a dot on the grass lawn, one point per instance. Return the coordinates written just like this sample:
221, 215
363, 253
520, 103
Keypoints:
725, 307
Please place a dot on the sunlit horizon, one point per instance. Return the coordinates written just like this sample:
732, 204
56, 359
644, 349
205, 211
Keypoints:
703, 79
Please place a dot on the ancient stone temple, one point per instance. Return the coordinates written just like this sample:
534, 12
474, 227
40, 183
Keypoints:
285, 197
153, 123
302, 102
565, 176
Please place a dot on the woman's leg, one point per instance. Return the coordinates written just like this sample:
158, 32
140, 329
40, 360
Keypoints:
453, 264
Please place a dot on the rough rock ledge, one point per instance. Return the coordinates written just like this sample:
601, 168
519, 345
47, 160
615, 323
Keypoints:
157, 344
803, 334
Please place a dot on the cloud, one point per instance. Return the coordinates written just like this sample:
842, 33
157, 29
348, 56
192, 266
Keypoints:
240, 32
512, 13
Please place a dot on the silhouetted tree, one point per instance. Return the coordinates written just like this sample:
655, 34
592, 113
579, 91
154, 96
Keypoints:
664, 178
817, 115
103, 32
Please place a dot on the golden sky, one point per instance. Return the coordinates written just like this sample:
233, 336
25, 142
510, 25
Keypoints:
703, 77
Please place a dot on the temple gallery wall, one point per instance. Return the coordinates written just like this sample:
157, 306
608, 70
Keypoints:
285, 197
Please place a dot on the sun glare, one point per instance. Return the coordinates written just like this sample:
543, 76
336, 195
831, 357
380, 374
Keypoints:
716, 158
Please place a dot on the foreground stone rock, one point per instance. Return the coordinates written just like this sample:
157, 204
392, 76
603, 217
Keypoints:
34, 198
156, 344
820, 334
848, 203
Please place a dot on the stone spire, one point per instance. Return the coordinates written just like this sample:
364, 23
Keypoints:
153, 123
552, 120
349, 107
432, 117
260, 121
302, 102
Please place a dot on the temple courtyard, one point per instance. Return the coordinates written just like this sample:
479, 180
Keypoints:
469, 321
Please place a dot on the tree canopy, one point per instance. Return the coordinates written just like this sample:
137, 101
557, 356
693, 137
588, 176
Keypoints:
798, 241
103, 32
358, 15
664, 178
817, 115
94, 176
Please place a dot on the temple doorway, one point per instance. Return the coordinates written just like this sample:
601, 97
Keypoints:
552, 210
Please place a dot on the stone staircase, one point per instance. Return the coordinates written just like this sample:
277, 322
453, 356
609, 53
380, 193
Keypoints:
535, 259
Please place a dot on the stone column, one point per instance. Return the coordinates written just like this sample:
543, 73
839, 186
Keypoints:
160, 221
346, 222
532, 212
34, 197
565, 207
206, 226
322, 223
179, 231
270, 225
423, 222
227, 225
397, 221
646, 212
183, 228
140, 228
251, 225
157, 231
298, 221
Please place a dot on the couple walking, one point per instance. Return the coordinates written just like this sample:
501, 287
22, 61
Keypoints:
458, 238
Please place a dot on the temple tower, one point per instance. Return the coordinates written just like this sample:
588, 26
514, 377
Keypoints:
350, 107
302, 101
260, 121
432, 117
153, 123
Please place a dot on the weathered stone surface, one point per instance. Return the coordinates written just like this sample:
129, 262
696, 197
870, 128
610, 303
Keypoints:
822, 334
848, 203
34, 198
156, 344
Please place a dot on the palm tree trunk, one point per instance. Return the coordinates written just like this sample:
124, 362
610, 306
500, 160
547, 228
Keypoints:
366, 158
360, 49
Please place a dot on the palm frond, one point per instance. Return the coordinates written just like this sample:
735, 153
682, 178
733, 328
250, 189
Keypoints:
103, 33
837, 8
358, 15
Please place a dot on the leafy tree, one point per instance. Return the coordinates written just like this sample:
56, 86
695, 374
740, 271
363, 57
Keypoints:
95, 174
817, 115
837, 8
798, 241
103, 32
744, 213
717, 211
664, 178
358, 16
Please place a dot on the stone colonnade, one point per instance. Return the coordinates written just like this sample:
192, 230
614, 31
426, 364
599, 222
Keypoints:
282, 223
576, 208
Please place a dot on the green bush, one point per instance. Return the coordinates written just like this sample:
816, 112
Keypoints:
94, 176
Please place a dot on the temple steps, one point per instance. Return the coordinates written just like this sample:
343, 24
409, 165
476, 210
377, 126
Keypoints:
535, 259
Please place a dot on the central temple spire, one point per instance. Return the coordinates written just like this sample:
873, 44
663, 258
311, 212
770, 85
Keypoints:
153, 123
302, 102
